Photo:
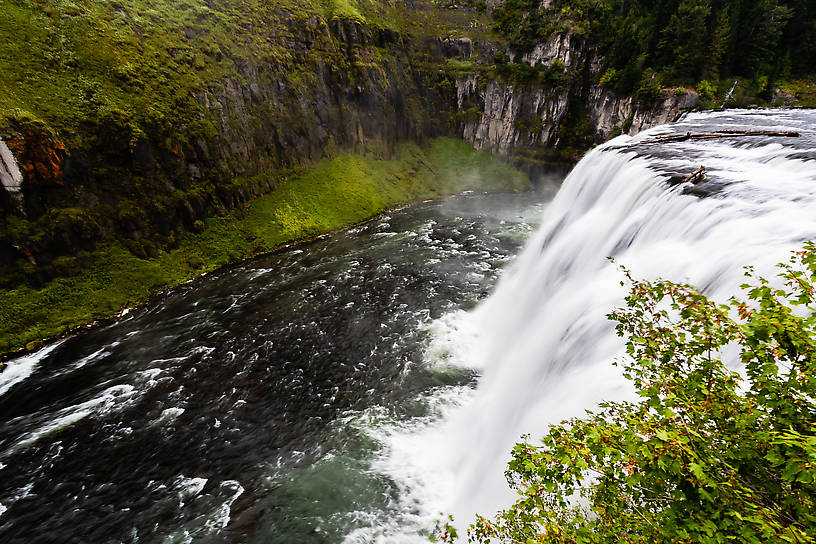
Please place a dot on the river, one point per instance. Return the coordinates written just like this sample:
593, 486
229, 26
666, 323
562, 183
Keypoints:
351, 389
247, 405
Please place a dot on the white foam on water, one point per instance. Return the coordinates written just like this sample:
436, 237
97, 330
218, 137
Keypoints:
21, 368
168, 415
187, 488
210, 510
410, 456
451, 336
106, 401
221, 517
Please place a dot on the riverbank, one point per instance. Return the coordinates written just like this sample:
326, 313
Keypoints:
335, 193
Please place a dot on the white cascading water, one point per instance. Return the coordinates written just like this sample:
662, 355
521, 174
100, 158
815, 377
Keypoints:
542, 343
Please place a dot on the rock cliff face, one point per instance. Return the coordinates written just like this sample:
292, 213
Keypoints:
610, 112
10, 176
343, 86
512, 117
523, 120
357, 89
34, 162
571, 51
318, 84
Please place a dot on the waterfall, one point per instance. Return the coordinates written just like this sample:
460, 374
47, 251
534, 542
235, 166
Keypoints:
544, 347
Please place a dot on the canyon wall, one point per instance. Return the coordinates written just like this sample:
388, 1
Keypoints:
212, 126
531, 121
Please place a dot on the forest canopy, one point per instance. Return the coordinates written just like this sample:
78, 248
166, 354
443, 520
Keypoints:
676, 40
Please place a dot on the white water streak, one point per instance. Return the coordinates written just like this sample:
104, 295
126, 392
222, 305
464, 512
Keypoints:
21, 368
107, 400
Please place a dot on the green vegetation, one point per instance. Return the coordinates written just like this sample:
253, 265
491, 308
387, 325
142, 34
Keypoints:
802, 91
554, 76
72, 62
332, 194
706, 90
147, 128
707, 454
577, 133
648, 42
137, 60
344, 9
459, 65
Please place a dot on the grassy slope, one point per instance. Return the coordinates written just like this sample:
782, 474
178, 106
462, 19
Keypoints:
334, 193
66, 61
142, 58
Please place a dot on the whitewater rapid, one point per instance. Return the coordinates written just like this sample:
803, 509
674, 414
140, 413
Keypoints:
542, 343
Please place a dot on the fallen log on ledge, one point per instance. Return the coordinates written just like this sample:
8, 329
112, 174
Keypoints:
720, 134
696, 177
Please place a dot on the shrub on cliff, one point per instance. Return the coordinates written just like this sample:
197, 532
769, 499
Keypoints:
707, 454
706, 90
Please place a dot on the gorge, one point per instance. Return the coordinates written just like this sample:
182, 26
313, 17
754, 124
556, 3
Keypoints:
288, 271
351, 389
137, 137
144, 143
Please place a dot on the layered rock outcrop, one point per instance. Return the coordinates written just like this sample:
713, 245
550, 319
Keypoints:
512, 116
531, 119
610, 113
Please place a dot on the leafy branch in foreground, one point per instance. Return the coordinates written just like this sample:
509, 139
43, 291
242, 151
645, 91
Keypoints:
707, 454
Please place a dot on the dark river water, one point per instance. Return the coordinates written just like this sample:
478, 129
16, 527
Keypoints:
244, 406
